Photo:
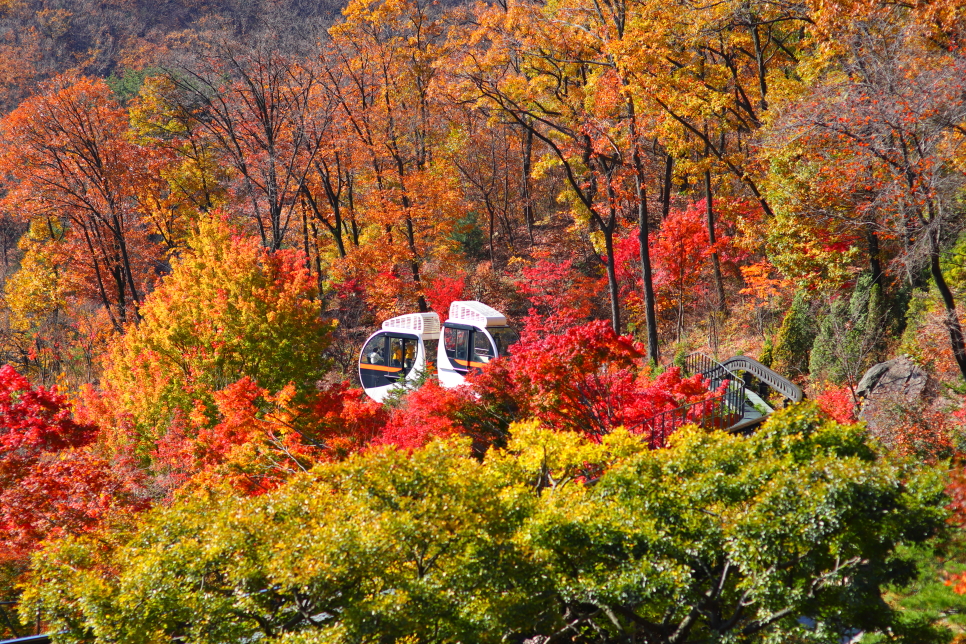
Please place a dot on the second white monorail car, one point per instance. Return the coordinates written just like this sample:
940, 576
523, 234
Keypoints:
473, 335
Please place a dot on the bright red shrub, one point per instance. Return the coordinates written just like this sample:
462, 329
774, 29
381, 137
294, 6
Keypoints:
260, 439
50, 484
838, 403
578, 380
343, 420
35, 421
428, 412
443, 291
560, 295
586, 379
680, 255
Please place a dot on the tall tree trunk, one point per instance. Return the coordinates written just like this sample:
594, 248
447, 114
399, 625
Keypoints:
952, 319
608, 229
127, 274
643, 235
118, 324
875, 265
319, 282
335, 229
715, 262
527, 200
118, 274
352, 210
760, 62
410, 232
274, 209
615, 306
915, 277
305, 240
414, 262
492, 222
666, 187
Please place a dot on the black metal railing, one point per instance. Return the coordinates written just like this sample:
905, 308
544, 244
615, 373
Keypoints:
720, 411
9, 623
29, 639
705, 365
717, 375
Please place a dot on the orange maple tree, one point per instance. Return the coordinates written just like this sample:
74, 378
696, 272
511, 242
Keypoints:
66, 159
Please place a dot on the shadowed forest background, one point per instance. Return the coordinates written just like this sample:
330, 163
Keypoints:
207, 207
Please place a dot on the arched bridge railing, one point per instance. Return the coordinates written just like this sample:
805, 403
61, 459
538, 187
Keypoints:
784, 386
706, 366
737, 409
722, 411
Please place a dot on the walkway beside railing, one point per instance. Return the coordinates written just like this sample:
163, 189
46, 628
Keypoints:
30, 639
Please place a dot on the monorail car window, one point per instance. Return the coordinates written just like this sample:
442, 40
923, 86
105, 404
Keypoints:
455, 342
431, 347
386, 358
375, 351
396, 352
505, 337
402, 353
449, 342
409, 354
462, 344
482, 349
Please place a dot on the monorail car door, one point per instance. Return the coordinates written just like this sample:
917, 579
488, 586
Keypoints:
398, 354
473, 335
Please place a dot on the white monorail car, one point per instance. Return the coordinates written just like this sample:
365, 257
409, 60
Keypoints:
473, 335
399, 353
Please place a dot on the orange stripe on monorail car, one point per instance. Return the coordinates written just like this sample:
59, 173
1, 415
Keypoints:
378, 367
464, 363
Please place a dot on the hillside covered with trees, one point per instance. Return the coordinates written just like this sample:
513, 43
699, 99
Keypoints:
207, 206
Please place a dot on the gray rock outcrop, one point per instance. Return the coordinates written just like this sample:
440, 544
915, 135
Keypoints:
890, 390
899, 376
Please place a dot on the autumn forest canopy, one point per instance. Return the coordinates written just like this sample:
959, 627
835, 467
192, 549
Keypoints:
207, 207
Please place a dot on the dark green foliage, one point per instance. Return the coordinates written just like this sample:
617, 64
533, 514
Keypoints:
127, 84
793, 343
850, 338
928, 598
470, 237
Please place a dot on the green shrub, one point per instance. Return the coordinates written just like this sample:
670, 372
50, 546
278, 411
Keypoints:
850, 337
793, 343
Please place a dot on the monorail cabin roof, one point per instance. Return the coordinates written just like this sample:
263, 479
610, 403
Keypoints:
476, 314
425, 325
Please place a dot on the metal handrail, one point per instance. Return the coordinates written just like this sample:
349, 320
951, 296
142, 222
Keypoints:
706, 366
6, 618
37, 638
720, 411
717, 373
724, 411
782, 385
